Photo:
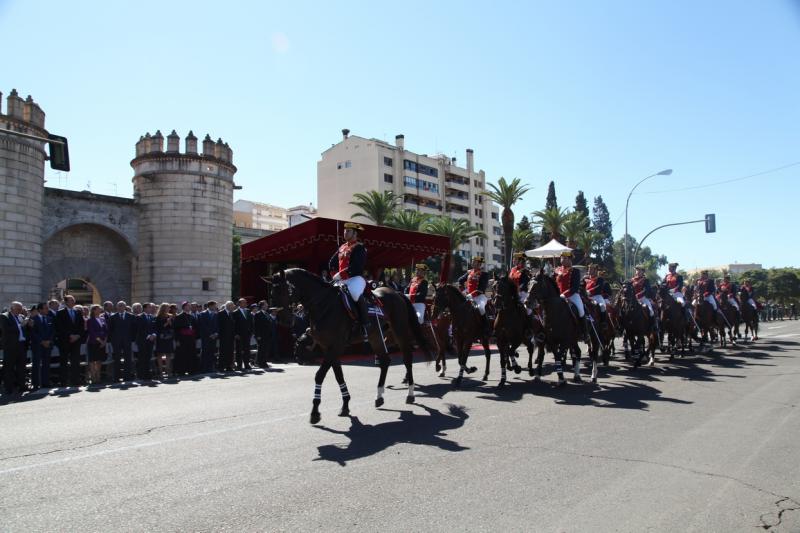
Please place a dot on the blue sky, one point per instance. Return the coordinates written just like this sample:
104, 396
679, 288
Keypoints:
593, 95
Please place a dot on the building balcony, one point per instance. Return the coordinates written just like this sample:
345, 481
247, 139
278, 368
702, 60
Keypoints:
457, 182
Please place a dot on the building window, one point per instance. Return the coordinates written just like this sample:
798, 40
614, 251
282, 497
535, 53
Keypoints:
339, 165
496, 230
494, 216
387, 161
388, 178
348, 164
478, 212
206, 285
419, 168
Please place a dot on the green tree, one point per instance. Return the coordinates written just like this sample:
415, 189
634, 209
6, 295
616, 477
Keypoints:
408, 220
375, 206
459, 231
603, 249
550, 222
552, 201
574, 226
506, 195
236, 267
783, 284
585, 245
582, 207
522, 239
644, 256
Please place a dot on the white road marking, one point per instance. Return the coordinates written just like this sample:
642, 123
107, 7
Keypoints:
775, 327
786, 335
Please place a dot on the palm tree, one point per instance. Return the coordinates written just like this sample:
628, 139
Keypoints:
376, 206
408, 220
575, 225
522, 239
585, 242
506, 195
551, 221
457, 230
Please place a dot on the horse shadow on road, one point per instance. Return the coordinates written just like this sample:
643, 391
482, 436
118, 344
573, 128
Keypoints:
410, 428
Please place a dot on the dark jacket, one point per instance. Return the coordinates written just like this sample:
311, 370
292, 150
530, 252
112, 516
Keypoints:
10, 341
207, 324
227, 328
145, 326
262, 328
121, 330
64, 326
358, 261
42, 329
243, 319
184, 325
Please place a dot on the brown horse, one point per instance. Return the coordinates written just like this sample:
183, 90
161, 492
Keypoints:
468, 325
561, 328
731, 316
332, 328
512, 326
710, 323
635, 319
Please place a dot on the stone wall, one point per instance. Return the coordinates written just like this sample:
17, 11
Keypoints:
63, 208
21, 186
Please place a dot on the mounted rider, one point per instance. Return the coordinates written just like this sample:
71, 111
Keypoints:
568, 279
748, 294
349, 262
706, 288
674, 282
727, 290
521, 277
595, 287
643, 290
417, 291
474, 284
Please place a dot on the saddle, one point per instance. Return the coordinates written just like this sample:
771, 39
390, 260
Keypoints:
374, 305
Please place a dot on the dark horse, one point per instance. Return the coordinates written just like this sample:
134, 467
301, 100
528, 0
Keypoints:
331, 328
750, 319
674, 321
468, 325
561, 328
709, 323
512, 326
636, 323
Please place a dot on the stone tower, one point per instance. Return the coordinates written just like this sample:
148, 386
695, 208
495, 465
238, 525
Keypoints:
21, 190
185, 203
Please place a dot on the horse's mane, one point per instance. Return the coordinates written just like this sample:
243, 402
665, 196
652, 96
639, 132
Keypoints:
455, 292
306, 276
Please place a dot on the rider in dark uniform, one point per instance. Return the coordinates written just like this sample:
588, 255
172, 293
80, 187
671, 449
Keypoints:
349, 262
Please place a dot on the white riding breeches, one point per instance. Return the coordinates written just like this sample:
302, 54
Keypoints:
678, 295
734, 303
480, 302
710, 299
644, 300
355, 285
600, 301
575, 298
523, 296
751, 302
420, 310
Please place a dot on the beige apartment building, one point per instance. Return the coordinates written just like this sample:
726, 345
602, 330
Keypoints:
256, 215
431, 184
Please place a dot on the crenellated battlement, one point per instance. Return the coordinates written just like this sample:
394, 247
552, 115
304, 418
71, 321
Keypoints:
21, 111
153, 145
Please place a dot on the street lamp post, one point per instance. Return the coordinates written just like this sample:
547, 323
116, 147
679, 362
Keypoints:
626, 266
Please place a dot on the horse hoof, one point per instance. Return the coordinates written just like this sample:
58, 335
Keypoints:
517, 369
531, 372
405, 381
315, 418
502, 384
485, 377
441, 373
594, 381
438, 366
409, 399
344, 412
472, 369
378, 402
561, 383
537, 378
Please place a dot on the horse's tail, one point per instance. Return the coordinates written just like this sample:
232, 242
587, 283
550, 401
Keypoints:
416, 330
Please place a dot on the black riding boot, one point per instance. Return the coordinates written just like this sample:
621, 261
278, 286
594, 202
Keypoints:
363, 317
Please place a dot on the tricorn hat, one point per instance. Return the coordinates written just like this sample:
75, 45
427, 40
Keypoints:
566, 253
673, 265
353, 225
519, 255
421, 266
640, 267
478, 258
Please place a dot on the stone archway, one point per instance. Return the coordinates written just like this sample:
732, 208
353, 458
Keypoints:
94, 253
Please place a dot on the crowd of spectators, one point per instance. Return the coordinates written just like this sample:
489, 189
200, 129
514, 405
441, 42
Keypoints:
72, 345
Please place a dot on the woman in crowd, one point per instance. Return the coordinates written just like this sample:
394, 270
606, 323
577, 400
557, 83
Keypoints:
165, 335
97, 330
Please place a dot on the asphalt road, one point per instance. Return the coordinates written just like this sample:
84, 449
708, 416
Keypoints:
705, 443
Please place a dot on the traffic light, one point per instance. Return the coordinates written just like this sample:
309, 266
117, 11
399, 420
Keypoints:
59, 152
711, 223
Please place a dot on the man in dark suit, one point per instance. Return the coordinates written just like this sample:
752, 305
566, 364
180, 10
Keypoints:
121, 332
244, 331
70, 330
263, 332
145, 340
41, 346
227, 336
208, 331
15, 348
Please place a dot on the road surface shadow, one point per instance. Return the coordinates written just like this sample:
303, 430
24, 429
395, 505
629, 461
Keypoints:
409, 428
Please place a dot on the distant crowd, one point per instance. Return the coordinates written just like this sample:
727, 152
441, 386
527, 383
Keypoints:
71, 345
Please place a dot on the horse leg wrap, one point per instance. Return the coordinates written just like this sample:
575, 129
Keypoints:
380, 392
317, 392
345, 392
411, 390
